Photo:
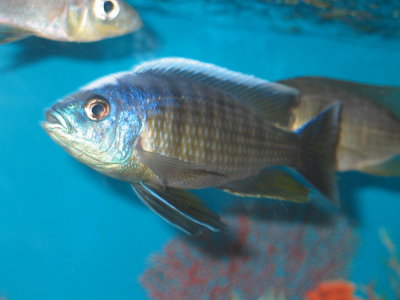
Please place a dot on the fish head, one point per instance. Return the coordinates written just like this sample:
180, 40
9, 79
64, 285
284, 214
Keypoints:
97, 126
94, 20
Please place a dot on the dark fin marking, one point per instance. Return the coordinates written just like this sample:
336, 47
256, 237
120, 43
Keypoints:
319, 138
273, 101
390, 167
10, 34
276, 183
180, 208
168, 168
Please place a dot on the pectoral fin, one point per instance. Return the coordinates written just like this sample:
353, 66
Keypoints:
10, 34
173, 170
277, 183
180, 208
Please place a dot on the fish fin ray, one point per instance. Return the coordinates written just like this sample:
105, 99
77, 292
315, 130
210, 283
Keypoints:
10, 34
168, 168
383, 95
277, 183
319, 139
387, 96
180, 208
273, 101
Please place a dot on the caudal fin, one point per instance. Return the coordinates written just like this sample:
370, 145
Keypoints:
319, 139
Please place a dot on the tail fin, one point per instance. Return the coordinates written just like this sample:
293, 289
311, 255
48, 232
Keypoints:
319, 139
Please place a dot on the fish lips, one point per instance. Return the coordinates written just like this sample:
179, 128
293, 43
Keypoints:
55, 121
61, 131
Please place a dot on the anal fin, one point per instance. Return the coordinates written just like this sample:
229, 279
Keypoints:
179, 207
277, 183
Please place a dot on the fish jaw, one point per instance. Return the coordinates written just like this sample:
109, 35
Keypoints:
60, 131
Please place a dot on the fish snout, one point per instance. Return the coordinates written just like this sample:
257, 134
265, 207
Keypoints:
55, 120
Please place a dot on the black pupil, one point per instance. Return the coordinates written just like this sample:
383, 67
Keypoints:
108, 6
97, 110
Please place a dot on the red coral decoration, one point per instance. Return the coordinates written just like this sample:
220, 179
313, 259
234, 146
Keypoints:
333, 290
275, 250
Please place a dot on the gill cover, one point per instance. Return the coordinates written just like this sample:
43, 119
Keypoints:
99, 19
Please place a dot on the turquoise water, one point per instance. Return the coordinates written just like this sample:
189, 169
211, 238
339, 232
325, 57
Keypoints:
67, 232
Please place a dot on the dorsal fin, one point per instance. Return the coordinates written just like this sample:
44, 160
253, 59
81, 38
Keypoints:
275, 101
387, 96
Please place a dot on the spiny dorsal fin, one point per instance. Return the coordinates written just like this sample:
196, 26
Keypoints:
387, 96
275, 101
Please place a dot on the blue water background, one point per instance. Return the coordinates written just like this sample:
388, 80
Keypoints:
67, 232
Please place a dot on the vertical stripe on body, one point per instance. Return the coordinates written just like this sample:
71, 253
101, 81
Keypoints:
211, 128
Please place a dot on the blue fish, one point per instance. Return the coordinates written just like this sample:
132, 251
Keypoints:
175, 124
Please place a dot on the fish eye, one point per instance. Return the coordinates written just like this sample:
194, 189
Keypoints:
106, 10
97, 108
108, 6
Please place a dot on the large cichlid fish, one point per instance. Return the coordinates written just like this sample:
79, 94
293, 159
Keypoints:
176, 124
66, 20
370, 130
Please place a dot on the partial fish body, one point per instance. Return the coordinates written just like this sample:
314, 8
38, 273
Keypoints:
176, 124
370, 130
67, 20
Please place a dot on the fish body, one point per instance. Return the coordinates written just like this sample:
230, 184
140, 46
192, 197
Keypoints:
370, 131
176, 124
67, 20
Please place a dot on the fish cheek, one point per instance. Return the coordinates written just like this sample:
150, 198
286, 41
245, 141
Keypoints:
75, 20
83, 26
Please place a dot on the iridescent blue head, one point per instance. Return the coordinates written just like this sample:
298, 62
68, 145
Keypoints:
98, 125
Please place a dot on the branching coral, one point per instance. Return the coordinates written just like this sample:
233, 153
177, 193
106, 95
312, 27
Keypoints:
275, 249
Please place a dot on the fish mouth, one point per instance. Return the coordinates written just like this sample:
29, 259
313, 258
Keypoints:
55, 121
61, 131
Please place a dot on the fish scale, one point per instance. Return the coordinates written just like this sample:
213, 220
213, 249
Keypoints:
236, 137
175, 124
